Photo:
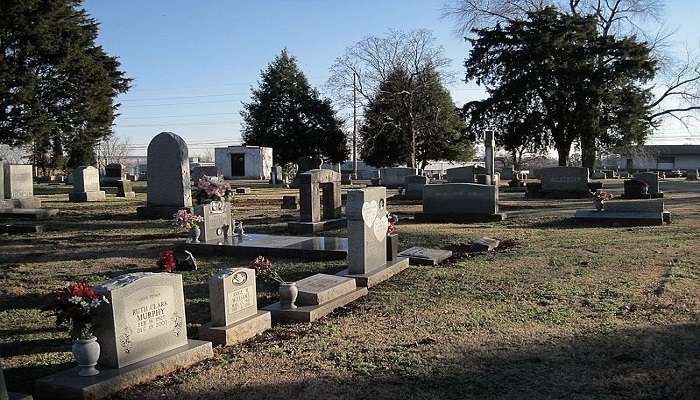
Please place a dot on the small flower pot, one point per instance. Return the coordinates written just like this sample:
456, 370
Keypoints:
194, 234
288, 293
86, 352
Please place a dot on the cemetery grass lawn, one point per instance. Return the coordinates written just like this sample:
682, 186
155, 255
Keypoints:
565, 311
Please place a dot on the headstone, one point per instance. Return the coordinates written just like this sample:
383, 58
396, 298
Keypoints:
142, 333
19, 182
124, 189
86, 185
169, 188
484, 244
346, 179
201, 171
367, 237
276, 175
146, 317
691, 175
319, 202
460, 202
234, 308
217, 224
392, 178
414, 185
367, 229
465, 174
483, 179
2, 182
113, 173
508, 173
564, 179
289, 202
489, 155
635, 189
308, 163
651, 179
598, 175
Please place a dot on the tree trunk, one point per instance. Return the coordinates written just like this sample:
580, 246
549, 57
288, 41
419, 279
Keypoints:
563, 152
588, 156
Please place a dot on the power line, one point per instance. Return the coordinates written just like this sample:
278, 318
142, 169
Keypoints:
178, 116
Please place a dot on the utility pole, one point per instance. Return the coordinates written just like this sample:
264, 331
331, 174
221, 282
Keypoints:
354, 125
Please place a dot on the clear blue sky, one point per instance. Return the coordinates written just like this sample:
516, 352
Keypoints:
193, 63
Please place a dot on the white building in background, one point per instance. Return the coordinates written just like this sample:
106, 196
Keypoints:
244, 162
659, 157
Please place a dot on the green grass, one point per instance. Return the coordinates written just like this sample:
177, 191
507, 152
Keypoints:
569, 311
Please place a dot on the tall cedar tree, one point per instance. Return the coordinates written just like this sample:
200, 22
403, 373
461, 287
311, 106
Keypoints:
287, 114
556, 74
422, 103
56, 85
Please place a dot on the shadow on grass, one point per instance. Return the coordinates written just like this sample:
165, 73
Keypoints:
36, 346
653, 363
572, 223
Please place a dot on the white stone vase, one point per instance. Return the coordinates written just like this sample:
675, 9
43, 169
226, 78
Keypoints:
194, 234
86, 352
288, 293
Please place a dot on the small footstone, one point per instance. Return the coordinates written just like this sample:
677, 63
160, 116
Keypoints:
424, 256
484, 244
243, 190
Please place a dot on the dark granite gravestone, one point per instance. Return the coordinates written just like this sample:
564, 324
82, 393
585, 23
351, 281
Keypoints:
460, 202
635, 212
169, 188
465, 174
113, 173
320, 202
414, 185
289, 202
636, 189
392, 178
651, 179
5, 395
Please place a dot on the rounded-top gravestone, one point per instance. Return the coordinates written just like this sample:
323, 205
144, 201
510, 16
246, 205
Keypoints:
168, 177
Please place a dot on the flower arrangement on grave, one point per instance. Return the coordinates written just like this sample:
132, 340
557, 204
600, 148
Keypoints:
288, 291
77, 305
600, 197
167, 260
209, 190
188, 222
393, 220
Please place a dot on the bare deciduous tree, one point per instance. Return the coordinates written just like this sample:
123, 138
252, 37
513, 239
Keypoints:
369, 62
112, 150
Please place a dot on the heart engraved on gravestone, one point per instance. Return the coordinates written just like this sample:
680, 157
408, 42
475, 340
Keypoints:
369, 212
381, 225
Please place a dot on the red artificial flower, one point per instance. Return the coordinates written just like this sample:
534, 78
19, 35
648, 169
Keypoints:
167, 260
391, 229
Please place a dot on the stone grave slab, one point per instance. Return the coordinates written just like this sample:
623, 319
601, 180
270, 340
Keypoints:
691, 175
311, 308
113, 173
460, 202
652, 180
425, 256
394, 177
242, 190
234, 308
169, 186
464, 174
67, 385
5, 395
253, 245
